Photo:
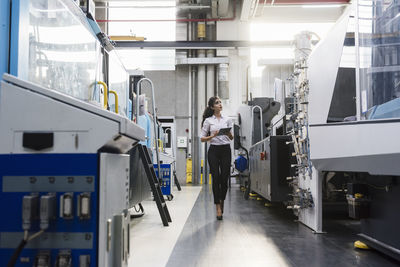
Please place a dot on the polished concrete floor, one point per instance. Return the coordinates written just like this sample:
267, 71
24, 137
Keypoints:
249, 235
151, 243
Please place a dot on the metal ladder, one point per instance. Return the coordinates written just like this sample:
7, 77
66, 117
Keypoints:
154, 184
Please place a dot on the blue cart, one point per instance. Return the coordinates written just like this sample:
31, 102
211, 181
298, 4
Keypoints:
166, 179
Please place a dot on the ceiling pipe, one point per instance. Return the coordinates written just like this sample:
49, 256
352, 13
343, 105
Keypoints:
176, 20
149, 7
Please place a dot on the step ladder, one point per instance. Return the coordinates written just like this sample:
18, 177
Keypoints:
154, 184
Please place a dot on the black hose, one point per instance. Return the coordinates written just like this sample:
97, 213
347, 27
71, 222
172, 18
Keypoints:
133, 216
134, 206
15, 256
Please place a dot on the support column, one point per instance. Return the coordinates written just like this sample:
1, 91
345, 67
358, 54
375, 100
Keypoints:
210, 92
201, 105
194, 115
195, 143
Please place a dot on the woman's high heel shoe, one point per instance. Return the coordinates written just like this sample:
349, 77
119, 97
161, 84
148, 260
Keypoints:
219, 217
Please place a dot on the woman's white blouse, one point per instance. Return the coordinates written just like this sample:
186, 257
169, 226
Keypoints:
212, 124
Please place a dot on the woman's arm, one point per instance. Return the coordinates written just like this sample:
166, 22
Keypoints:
208, 138
204, 132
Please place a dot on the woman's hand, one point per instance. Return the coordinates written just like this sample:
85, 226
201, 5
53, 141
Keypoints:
215, 134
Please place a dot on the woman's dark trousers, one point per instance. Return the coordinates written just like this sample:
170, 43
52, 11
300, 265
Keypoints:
219, 159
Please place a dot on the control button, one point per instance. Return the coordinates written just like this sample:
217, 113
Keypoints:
84, 260
64, 259
42, 259
84, 206
47, 210
66, 206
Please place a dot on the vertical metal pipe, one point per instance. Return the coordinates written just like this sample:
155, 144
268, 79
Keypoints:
190, 100
190, 105
194, 128
194, 143
201, 100
210, 92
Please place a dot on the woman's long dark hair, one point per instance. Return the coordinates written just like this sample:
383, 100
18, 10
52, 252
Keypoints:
208, 112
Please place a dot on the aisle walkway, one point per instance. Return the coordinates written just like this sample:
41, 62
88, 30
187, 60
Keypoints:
254, 235
151, 243
249, 235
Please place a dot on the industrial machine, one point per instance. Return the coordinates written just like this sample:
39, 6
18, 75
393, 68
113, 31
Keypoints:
346, 123
255, 119
270, 161
64, 170
68, 180
167, 155
269, 156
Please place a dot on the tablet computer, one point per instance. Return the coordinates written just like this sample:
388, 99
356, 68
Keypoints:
224, 131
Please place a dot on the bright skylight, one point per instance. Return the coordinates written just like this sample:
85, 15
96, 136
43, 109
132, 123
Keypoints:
285, 31
145, 15
279, 32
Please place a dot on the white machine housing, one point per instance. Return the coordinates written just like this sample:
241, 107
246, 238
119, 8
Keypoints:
78, 127
357, 146
86, 128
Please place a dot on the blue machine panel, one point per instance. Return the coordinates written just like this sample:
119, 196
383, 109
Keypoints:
166, 178
24, 174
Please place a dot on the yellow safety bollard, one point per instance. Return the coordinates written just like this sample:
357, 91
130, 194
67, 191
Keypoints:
201, 172
209, 179
189, 179
201, 176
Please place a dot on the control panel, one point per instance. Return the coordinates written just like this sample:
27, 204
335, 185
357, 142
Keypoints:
51, 202
165, 177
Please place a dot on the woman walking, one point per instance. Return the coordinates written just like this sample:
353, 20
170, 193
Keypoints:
219, 153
